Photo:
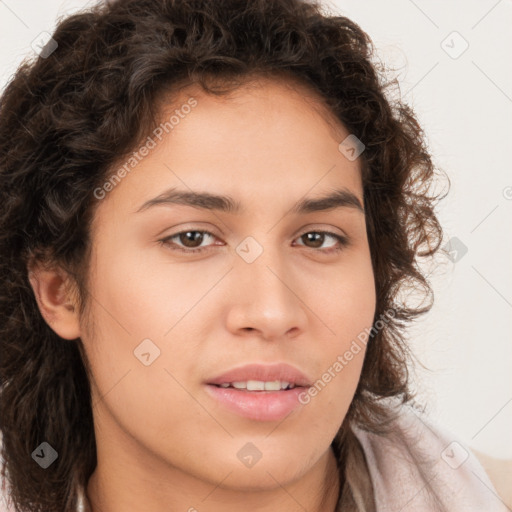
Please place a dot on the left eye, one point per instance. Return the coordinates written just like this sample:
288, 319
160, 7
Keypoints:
190, 238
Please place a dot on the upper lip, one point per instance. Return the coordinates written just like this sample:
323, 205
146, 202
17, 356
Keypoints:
263, 372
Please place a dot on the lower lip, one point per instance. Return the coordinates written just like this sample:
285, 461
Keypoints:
258, 405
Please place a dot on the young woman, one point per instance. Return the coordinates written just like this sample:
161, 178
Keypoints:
209, 214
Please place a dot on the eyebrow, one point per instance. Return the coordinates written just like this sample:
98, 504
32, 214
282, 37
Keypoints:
341, 198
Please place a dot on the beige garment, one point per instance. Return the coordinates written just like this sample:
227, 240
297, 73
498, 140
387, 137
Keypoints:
422, 467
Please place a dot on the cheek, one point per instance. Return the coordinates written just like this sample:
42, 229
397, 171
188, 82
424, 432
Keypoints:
346, 306
345, 299
151, 402
138, 309
146, 294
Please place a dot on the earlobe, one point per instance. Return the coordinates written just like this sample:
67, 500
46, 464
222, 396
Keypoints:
52, 293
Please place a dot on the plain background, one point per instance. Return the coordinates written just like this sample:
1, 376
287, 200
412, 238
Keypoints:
463, 98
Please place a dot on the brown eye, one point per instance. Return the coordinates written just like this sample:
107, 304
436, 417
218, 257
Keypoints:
191, 238
315, 240
188, 241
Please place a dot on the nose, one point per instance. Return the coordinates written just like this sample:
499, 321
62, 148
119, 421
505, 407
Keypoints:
267, 298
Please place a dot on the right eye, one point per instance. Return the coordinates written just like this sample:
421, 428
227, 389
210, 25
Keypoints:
189, 236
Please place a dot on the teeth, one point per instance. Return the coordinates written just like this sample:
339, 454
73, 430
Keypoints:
273, 386
259, 385
255, 385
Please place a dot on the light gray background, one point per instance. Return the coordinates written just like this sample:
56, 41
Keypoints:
465, 107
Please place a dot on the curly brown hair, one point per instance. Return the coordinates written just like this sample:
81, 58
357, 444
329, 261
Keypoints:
68, 117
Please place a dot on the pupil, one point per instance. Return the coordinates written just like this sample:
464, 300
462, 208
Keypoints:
188, 238
316, 238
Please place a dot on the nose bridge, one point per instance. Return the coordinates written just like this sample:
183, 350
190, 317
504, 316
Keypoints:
263, 265
265, 299
268, 275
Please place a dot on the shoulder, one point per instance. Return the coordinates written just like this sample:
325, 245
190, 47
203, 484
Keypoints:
416, 463
5, 502
500, 474
4, 496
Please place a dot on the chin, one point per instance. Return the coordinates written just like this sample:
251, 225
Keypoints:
261, 477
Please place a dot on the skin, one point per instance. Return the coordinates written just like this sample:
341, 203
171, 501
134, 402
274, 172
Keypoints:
163, 443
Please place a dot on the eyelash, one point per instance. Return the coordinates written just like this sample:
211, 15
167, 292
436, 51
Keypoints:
342, 242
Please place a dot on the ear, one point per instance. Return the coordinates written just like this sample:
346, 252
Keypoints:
52, 291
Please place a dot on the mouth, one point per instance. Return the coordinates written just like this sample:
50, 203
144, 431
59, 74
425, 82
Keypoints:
262, 377
259, 392
258, 385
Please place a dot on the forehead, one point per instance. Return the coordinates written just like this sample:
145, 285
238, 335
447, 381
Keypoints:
268, 138
259, 96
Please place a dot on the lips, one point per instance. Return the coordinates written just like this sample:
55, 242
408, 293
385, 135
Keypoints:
259, 392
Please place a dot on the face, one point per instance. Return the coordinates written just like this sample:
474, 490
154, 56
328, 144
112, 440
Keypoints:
194, 294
